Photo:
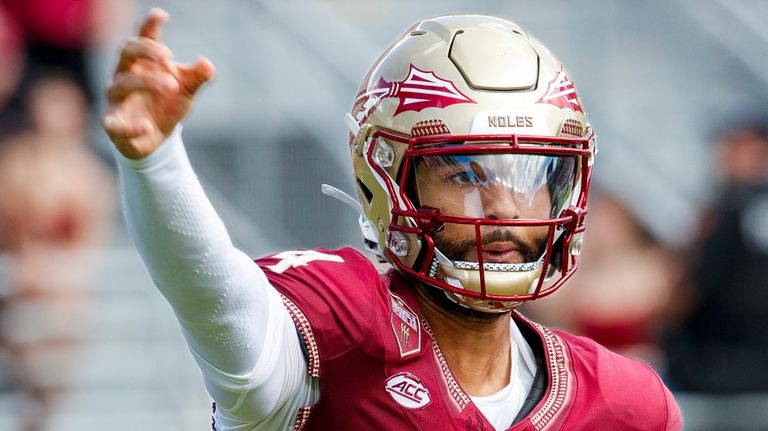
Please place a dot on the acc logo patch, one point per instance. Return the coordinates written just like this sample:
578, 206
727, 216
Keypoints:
408, 390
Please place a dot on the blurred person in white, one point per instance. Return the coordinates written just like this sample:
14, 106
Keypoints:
56, 209
719, 344
622, 289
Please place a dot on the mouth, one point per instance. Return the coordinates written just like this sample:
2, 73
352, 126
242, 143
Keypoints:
502, 252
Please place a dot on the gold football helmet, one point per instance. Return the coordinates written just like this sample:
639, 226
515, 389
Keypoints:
472, 157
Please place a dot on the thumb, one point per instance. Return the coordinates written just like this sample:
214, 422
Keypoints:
193, 77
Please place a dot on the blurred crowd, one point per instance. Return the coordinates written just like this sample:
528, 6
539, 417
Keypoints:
696, 313
57, 196
717, 343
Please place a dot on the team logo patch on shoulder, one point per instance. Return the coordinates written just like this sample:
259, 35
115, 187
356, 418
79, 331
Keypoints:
405, 325
408, 390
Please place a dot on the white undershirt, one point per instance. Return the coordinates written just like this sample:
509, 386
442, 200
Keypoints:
237, 329
502, 407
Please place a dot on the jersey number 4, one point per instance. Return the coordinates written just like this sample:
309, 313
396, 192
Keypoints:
297, 258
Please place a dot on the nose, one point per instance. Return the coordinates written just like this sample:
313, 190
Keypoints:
500, 203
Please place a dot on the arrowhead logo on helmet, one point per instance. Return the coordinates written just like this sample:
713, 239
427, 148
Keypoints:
420, 90
562, 93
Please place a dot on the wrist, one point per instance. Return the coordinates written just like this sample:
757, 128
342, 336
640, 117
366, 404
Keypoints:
167, 149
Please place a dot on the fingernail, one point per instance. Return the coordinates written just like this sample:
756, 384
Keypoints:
158, 12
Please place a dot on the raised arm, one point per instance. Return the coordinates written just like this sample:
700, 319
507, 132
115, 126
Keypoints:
238, 330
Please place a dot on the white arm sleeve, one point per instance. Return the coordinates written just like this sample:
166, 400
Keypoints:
237, 328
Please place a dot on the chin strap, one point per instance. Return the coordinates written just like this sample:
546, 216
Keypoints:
370, 236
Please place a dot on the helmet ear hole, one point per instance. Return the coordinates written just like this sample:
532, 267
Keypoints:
555, 262
364, 192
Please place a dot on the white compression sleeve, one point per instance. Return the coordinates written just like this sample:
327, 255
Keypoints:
238, 330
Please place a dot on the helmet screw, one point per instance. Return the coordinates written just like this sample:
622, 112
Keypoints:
383, 155
397, 243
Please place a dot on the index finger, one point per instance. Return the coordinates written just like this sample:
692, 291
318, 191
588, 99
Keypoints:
150, 28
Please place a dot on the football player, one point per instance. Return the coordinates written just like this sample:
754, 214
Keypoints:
472, 157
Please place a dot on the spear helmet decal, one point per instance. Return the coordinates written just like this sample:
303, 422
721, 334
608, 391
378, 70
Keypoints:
562, 93
420, 90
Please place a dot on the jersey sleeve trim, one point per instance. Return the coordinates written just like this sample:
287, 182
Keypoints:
305, 330
561, 384
302, 417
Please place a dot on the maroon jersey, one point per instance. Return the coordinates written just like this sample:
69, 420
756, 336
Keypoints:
380, 368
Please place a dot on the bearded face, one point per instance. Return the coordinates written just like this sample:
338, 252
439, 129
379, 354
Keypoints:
493, 187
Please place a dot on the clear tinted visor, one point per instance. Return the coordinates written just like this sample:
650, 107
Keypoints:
496, 186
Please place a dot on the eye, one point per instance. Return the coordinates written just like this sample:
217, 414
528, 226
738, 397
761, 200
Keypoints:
462, 179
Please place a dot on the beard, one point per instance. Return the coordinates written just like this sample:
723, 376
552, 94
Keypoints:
459, 250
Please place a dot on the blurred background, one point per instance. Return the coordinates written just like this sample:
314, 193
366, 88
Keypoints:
674, 269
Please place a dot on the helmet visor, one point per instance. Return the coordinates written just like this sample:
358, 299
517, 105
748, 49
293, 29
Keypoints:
496, 186
507, 193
